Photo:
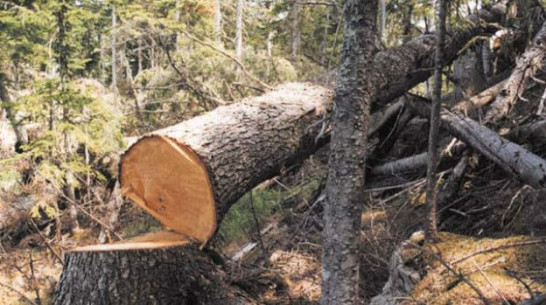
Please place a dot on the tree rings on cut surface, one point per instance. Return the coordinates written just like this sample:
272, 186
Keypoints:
170, 182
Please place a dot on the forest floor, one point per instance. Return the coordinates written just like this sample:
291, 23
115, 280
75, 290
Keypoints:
281, 265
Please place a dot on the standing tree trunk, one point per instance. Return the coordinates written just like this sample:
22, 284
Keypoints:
296, 30
433, 139
239, 24
113, 48
383, 19
182, 275
345, 185
139, 55
218, 21
102, 59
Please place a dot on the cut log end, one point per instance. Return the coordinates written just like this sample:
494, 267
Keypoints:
169, 181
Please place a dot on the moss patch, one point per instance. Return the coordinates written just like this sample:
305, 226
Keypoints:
491, 272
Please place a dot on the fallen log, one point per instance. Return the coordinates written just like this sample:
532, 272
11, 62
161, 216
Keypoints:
416, 163
509, 156
532, 135
512, 158
188, 175
399, 69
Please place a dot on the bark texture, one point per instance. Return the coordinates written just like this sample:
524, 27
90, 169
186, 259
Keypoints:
182, 275
348, 151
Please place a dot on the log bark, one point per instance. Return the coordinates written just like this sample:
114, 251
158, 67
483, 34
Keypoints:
188, 175
397, 70
182, 275
393, 72
512, 158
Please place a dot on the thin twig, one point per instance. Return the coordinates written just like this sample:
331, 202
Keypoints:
450, 268
490, 283
527, 287
233, 58
57, 256
87, 213
33, 279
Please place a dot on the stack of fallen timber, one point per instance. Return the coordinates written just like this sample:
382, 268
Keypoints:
502, 96
187, 176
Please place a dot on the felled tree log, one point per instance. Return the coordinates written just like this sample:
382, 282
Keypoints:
509, 156
188, 175
182, 275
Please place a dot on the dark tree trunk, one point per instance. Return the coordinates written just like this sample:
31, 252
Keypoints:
345, 185
468, 74
181, 275
399, 69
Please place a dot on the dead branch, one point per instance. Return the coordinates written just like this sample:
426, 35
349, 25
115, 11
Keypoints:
490, 283
449, 267
233, 58
18, 292
480, 100
57, 256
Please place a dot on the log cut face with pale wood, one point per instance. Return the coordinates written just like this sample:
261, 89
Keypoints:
188, 175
